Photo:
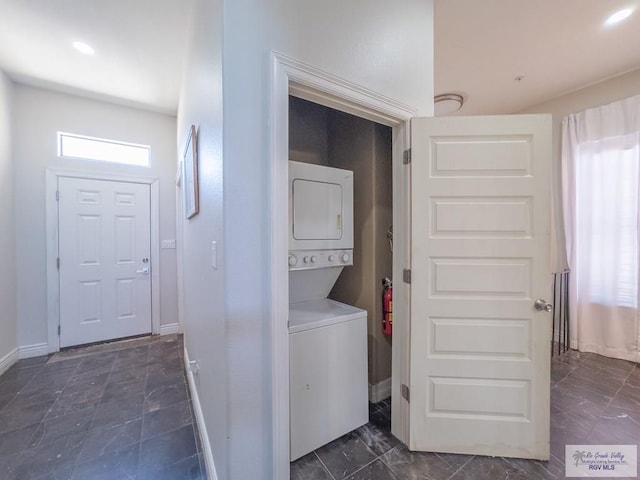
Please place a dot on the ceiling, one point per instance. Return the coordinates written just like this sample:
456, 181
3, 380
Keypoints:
139, 47
557, 46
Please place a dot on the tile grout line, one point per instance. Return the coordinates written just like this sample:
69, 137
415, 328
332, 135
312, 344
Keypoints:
365, 466
621, 386
198, 440
453, 466
397, 475
46, 416
76, 462
192, 423
548, 469
66, 375
461, 467
324, 466
143, 415
524, 472
144, 401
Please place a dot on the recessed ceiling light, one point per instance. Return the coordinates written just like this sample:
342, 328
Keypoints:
83, 48
618, 16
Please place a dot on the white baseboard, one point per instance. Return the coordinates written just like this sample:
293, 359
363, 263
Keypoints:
36, 350
380, 391
169, 329
8, 360
202, 428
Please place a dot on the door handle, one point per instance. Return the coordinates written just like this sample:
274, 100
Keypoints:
542, 305
144, 271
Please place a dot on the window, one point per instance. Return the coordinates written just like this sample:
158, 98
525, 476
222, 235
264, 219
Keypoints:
78, 146
601, 200
608, 196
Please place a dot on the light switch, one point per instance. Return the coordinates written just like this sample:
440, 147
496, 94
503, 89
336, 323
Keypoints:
214, 254
168, 244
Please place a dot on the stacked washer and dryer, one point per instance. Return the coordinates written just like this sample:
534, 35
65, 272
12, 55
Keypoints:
327, 339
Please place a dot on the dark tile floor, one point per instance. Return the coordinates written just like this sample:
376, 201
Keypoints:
594, 400
113, 411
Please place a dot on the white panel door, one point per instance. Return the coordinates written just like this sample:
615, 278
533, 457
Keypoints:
104, 247
480, 350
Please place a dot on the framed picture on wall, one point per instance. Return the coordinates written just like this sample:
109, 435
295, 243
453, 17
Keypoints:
190, 177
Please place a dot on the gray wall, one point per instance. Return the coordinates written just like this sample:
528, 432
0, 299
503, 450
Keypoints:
8, 308
308, 132
365, 147
38, 115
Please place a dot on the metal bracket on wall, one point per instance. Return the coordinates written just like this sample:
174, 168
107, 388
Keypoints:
406, 157
406, 275
404, 391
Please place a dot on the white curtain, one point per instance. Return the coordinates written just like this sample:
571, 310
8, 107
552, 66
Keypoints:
601, 205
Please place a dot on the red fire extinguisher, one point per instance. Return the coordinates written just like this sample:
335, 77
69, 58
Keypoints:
387, 307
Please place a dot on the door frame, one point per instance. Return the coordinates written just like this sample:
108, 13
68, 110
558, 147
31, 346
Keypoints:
53, 277
292, 77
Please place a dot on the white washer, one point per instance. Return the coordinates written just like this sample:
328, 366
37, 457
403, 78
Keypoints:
328, 372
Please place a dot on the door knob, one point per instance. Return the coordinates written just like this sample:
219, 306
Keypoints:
144, 271
542, 305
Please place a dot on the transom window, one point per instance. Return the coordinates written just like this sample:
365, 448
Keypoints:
71, 145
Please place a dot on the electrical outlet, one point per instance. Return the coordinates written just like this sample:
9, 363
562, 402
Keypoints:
194, 367
168, 244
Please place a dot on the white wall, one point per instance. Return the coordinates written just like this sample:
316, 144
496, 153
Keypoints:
381, 45
602, 93
386, 47
38, 115
203, 287
8, 309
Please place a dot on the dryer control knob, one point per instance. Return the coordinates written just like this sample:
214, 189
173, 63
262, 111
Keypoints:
292, 260
314, 259
344, 257
306, 259
332, 258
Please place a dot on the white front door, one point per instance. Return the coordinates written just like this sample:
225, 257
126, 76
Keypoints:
480, 350
104, 250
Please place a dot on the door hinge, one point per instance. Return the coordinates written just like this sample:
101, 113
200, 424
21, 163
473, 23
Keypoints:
406, 275
58, 263
57, 194
404, 391
406, 156
58, 330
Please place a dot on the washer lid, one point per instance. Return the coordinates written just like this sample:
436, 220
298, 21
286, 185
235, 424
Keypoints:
320, 313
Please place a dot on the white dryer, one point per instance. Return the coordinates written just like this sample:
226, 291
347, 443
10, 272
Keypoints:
327, 339
321, 207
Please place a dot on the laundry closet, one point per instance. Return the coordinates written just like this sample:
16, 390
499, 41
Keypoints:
340, 175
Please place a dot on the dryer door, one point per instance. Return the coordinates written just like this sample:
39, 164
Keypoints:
317, 210
321, 207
